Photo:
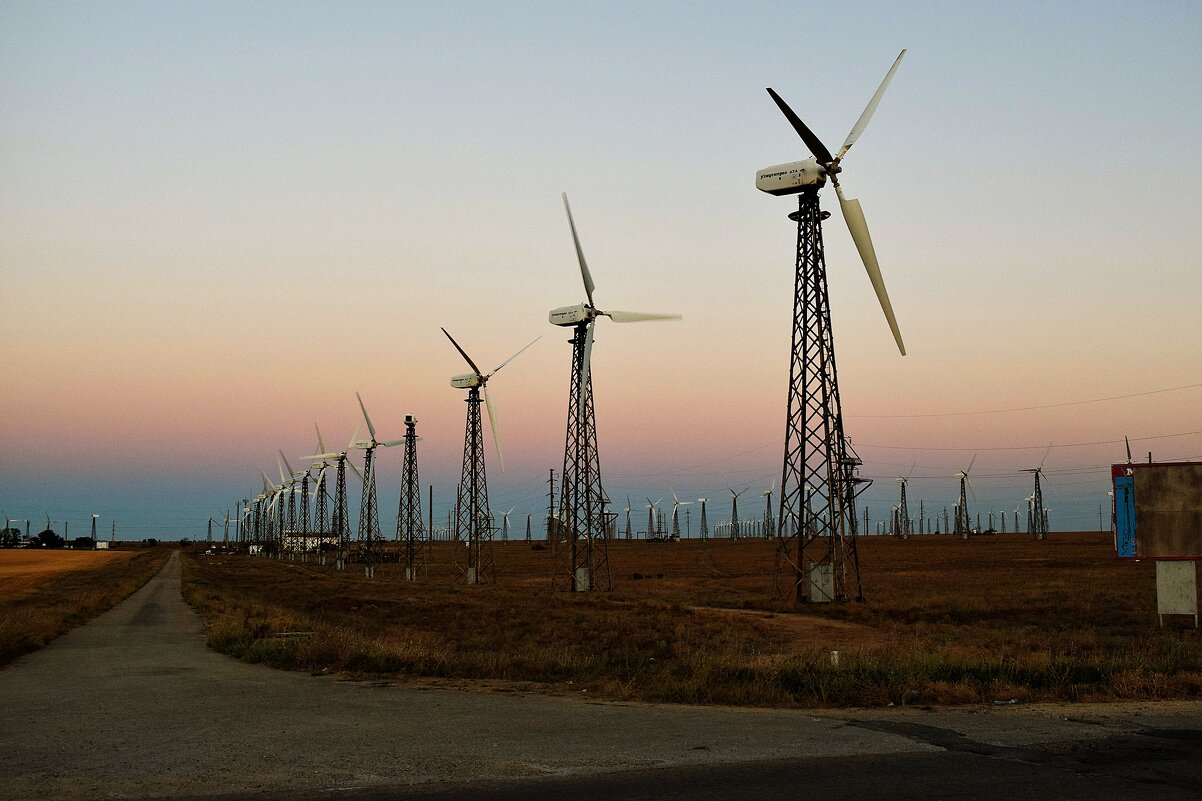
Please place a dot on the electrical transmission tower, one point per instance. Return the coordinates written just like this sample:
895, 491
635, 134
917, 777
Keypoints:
703, 529
411, 532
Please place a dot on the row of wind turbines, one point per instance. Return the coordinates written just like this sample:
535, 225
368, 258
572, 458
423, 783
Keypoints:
273, 523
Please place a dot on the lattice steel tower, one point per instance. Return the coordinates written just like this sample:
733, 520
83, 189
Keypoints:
582, 549
410, 531
903, 511
340, 526
817, 560
963, 524
473, 530
1039, 519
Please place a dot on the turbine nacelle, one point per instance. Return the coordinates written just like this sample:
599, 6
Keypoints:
791, 178
568, 316
467, 381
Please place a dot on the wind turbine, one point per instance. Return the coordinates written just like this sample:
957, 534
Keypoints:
903, 509
472, 507
505, 524
370, 539
676, 504
768, 528
320, 463
735, 532
582, 497
410, 529
703, 530
1039, 530
820, 555
628, 530
340, 527
651, 518
963, 522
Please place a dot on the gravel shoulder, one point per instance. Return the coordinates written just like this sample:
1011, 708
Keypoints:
134, 705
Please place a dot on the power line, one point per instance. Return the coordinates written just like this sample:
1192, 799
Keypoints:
1026, 447
1022, 408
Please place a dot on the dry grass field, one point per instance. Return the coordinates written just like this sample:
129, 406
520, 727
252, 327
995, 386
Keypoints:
21, 570
44, 593
944, 621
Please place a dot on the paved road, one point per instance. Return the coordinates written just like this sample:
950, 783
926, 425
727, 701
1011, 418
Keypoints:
133, 705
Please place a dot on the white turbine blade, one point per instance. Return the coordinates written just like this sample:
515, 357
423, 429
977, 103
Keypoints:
291, 472
321, 446
371, 429
639, 317
584, 273
283, 478
862, 123
971, 491
970, 464
853, 215
354, 469
511, 358
492, 422
1045, 456
391, 443
585, 372
354, 438
320, 457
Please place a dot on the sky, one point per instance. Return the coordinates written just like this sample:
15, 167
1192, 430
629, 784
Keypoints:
218, 221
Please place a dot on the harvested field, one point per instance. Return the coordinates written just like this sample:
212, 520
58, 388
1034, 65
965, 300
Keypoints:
44, 593
21, 570
945, 621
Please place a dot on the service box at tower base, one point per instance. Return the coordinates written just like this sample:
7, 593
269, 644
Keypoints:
1158, 510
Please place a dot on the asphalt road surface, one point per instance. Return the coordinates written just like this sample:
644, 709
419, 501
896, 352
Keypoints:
133, 705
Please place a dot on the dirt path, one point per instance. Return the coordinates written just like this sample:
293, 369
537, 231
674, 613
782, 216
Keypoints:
134, 705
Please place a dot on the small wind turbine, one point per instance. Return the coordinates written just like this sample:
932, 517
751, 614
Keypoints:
370, 539
768, 527
703, 530
582, 496
472, 501
963, 523
651, 534
340, 527
902, 507
734, 511
627, 510
1039, 530
676, 504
